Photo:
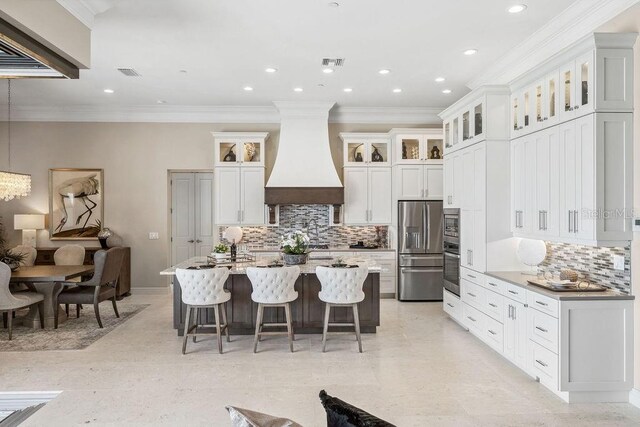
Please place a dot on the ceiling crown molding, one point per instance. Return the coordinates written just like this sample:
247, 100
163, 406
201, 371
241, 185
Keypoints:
86, 10
215, 114
577, 21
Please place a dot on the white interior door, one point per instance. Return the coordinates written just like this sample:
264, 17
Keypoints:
204, 230
182, 217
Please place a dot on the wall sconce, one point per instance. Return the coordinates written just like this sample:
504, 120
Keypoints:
28, 223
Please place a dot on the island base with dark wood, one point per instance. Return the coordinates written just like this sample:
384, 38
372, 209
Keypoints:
307, 311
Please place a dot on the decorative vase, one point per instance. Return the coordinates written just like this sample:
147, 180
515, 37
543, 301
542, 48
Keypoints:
295, 259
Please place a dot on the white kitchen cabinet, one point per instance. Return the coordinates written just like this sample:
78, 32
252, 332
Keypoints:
473, 208
515, 333
239, 148
367, 195
239, 195
417, 146
452, 179
371, 149
414, 182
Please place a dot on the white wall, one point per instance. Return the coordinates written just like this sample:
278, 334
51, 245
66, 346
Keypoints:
136, 158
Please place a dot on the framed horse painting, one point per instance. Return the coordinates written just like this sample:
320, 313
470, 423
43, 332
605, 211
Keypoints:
76, 203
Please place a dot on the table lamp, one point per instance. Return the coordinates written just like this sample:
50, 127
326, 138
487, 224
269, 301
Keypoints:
28, 223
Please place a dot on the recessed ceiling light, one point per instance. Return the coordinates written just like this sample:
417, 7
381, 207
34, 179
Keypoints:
517, 8
447, 91
248, 88
333, 4
439, 79
470, 52
108, 91
270, 70
384, 71
298, 89
348, 89
327, 70
397, 90
161, 101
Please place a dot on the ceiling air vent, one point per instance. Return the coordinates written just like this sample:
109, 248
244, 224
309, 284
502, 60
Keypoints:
332, 62
129, 72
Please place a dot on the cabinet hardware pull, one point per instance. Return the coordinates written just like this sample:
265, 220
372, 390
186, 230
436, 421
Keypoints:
570, 230
513, 292
471, 318
510, 311
471, 295
493, 284
546, 118
191, 241
541, 363
471, 275
493, 305
575, 221
541, 329
450, 305
577, 106
198, 241
491, 332
542, 303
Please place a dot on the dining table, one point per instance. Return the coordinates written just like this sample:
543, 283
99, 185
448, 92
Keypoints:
48, 280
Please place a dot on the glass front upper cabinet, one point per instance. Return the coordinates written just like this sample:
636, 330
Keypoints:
477, 120
245, 152
552, 99
526, 100
447, 134
410, 149
465, 126
515, 112
584, 92
361, 152
568, 90
252, 152
434, 149
539, 113
455, 131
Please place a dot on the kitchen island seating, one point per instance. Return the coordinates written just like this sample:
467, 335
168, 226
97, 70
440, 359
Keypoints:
341, 287
101, 287
204, 288
273, 287
9, 303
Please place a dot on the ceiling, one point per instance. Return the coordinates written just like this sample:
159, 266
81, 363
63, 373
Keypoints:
226, 45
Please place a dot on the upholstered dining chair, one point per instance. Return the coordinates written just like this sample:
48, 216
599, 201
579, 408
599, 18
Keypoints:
9, 303
101, 287
341, 287
70, 255
204, 288
29, 253
273, 287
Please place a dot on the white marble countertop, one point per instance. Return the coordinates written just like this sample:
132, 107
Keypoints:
329, 249
240, 268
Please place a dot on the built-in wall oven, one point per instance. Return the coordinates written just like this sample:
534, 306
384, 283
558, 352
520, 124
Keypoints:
451, 250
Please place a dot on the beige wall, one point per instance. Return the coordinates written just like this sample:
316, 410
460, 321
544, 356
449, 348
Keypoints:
135, 158
629, 21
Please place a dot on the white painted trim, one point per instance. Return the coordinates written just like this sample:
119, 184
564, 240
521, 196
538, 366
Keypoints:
634, 397
215, 114
17, 400
577, 21
151, 290
81, 10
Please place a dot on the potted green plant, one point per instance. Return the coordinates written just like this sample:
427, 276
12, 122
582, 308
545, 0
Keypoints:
220, 251
13, 260
295, 248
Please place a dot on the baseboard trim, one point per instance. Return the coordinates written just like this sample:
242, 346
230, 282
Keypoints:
17, 400
634, 397
150, 290
387, 295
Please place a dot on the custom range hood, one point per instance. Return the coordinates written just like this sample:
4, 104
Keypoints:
304, 172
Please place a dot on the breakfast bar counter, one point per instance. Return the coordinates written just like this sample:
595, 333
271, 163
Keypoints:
307, 311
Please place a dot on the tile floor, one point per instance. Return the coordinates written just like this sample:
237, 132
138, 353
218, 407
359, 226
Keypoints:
420, 369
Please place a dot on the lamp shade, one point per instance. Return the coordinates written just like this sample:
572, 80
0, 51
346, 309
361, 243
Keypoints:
28, 222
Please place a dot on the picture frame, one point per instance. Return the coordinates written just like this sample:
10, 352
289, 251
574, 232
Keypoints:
76, 203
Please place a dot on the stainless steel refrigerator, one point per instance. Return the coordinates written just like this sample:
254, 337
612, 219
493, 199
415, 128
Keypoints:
420, 258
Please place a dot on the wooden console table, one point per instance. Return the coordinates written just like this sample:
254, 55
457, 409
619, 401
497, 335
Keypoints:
123, 289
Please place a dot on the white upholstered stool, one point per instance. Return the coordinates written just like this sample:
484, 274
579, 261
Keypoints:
341, 287
204, 289
273, 287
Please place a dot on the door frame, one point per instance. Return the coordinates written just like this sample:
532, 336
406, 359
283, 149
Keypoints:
170, 172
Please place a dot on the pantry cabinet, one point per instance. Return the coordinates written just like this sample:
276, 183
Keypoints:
415, 182
453, 179
367, 196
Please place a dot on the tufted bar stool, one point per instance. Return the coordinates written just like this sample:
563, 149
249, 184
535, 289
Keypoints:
204, 288
341, 287
273, 287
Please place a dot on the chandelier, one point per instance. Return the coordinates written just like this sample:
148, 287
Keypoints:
12, 184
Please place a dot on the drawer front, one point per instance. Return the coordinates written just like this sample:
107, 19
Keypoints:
543, 303
495, 285
544, 365
473, 294
472, 276
494, 306
378, 255
515, 293
494, 334
543, 329
474, 320
452, 305
388, 267
388, 284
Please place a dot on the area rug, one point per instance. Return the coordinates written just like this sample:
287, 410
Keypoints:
74, 334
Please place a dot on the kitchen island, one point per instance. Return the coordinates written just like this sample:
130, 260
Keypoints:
307, 311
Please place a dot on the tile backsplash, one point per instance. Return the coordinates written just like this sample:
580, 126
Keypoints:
293, 217
592, 263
